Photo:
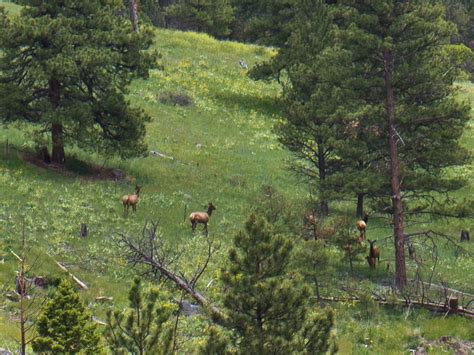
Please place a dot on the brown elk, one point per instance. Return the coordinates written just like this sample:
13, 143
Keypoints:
374, 253
131, 200
362, 225
201, 217
310, 223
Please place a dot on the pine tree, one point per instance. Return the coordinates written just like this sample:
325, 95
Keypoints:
141, 329
65, 325
267, 305
210, 16
215, 344
331, 150
65, 68
403, 70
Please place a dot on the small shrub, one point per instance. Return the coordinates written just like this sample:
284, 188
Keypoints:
176, 99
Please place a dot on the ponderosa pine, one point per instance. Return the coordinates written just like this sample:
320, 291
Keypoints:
64, 69
403, 73
266, 304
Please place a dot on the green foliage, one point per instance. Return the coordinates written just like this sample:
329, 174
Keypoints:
349, 242
232, 118
312, 259
429, 118
215, 344
71, 65
264, 21
267, 306
65, 325
211, 16
142, 328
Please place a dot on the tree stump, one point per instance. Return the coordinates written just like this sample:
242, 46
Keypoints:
83, 232
20, 285
43, 154
464, 236
40, 281
453, 304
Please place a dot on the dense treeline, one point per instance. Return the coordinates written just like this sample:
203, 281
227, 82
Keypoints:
265, 21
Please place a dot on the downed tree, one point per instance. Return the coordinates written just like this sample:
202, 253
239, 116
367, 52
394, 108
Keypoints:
77, 280
146, 251
449, 307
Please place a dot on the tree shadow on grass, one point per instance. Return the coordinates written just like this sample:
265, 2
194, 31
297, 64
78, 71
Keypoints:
17, 158
266, 106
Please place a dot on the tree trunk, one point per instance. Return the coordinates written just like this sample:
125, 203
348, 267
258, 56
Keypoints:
399, 240
323, 205
58, 155
134, 15
360, 206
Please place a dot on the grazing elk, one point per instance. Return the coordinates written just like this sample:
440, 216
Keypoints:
464, 236
201, 217
362, 225
374, 253
131, 200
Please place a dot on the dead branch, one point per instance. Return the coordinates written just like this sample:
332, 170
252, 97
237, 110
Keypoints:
149, 253
77, 280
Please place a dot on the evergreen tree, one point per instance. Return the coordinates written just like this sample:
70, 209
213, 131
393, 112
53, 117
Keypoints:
327, 143
65, 68
267, 305
210, 16
403, 70
264, 21
215, 344
65, 325
142, 328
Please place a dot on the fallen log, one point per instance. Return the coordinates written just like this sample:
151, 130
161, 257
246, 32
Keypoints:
438, 307
104, 299
76, 279
155, 264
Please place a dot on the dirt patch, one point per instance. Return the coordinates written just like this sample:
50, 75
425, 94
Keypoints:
446, 344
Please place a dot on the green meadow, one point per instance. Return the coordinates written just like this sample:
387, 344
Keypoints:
218, 148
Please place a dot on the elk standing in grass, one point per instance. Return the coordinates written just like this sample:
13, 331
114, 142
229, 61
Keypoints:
201, 217
362, 225
374, 253
131, 200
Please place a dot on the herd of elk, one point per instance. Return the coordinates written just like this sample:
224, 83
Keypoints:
195, 217
131, 200
374, 253
201, 217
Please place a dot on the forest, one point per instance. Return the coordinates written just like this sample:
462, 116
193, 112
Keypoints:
236, 177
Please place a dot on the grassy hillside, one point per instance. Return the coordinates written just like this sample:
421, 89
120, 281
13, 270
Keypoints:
10, 7
223, 151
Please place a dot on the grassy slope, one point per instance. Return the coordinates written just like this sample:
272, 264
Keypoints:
232, 119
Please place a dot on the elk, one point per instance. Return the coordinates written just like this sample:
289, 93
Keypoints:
362, 225
201, 217
310, 222
131, 200
374, 253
